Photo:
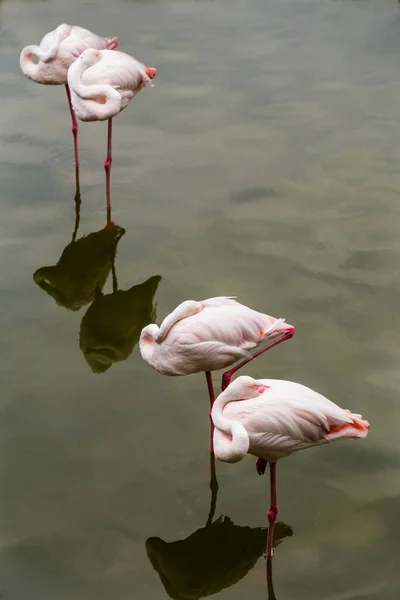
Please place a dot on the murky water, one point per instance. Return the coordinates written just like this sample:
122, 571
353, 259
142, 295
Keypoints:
264, 163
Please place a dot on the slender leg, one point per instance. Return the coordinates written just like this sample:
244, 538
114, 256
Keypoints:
273, 509
74, 124
107, 166
227, 376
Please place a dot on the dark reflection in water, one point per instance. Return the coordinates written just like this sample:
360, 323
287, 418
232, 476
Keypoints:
84, 265
211, 559
111, 327
270, 584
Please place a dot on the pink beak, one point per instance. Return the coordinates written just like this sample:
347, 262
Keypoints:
151, 72
112, 43
261, 388
284, 328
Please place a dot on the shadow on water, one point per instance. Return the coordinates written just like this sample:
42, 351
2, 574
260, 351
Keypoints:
212, 558
112, 324
84, 265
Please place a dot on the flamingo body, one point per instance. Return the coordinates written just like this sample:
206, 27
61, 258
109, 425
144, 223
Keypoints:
206, 336
271, 419
103, 83
57, 51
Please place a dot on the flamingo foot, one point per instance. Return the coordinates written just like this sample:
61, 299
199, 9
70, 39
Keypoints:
261, 465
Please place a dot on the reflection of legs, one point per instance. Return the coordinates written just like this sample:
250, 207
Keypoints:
270, 584
273, 509
74, 124
226, 377
213, 476
77, 204
107, 165
213, 488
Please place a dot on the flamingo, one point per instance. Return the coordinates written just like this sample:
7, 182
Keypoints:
102, 84
271, 419
209, 335
56, 53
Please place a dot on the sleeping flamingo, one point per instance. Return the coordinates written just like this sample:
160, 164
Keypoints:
102, 84
56, 53
272, 419
210, 335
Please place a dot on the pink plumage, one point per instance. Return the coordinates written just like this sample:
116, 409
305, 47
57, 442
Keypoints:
206, 336
272, 419
55, 54
275, 418
102, 84
57, 51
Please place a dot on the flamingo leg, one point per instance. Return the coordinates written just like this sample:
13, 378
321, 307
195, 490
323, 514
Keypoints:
74, 124
227, 376
213, 476
273, 509
107, 166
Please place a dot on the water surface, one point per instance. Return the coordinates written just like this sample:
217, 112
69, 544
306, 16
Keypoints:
264, 163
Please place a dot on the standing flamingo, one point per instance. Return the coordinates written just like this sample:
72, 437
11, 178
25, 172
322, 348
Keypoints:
272, 419
102, 84
56, 53
210, 335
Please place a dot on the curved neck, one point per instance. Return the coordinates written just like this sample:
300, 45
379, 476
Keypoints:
148, 342
237, 447
183, 311
29, 68
105, 101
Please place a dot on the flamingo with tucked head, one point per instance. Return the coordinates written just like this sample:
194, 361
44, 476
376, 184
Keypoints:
271, 419
102, 84
210, 335
55, 54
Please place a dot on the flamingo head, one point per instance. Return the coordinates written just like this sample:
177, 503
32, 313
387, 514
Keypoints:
90, 56
244, 388
112, 43
151, 72
149, 334
279, 327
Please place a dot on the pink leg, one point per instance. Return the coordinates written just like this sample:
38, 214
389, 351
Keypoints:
74, 124
226, 377
107, 166
273, 509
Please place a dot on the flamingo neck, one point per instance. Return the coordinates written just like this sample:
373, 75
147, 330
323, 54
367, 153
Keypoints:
28, 67
96, 102
234, 445
148, 342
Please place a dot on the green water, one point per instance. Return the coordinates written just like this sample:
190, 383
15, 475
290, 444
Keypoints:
264, 163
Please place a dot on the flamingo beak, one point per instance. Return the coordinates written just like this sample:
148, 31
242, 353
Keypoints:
261, 388
151, 72
285, 328
112, 43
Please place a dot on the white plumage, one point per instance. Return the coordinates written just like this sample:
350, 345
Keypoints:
57, 51
271, 419
206, 336
103, 82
